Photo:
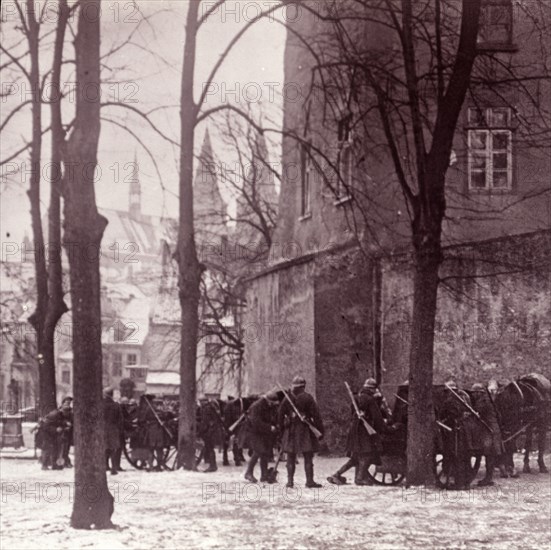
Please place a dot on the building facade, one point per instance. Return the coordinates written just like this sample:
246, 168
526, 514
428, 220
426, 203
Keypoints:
336, 302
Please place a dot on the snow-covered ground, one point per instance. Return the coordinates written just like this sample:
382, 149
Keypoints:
220, 510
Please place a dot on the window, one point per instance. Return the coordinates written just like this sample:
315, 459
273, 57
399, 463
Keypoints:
496, 25
131, 359
116, 366
490, 149
344, 160
306, 172
66, 376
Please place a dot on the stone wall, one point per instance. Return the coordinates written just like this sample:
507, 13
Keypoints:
278, 329
494, 312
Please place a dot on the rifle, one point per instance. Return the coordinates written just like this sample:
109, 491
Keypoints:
170, 434
301, 417
469, 408
366, 424
237, 422
441, 424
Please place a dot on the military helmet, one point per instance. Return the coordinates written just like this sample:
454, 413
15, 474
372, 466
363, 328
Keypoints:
298, 382
477, 386
370, 383
271, 395
451, 384
67, 399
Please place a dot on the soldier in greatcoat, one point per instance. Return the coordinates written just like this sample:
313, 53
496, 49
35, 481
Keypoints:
362, 446
211, 430
457, 444
153, 435
297, 436
356, 446
489, 442
56, 428
262, 435
113, 420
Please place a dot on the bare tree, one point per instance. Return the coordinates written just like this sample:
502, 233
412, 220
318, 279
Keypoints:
50, 305
190, 268
83, 231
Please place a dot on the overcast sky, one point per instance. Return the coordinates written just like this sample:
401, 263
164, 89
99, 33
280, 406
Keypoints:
146, 75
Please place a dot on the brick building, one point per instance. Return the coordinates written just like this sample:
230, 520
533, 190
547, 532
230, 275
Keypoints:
335, 304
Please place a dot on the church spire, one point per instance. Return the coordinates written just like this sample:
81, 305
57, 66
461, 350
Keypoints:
135, 194
210, 209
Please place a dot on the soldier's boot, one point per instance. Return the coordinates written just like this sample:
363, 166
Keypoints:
264, 469
526, 469
249, 474
542, 466
291, 465
309, 471
503, 471
225, 461
488, 478
361, 477
337, 478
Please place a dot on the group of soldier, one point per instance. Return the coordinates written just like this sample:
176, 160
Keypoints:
291, 422
300, 426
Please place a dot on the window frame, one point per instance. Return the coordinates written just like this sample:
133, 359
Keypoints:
128, 363
487, 127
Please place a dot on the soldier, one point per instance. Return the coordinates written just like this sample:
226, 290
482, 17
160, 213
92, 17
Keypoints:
211, 431
56, 428
490, 442
362, 448
153, 435
112, 414
369, 392
456, 444
297, 436
262, 430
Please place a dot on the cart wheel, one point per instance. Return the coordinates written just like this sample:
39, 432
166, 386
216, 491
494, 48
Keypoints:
170, 458
383, 478
139, 464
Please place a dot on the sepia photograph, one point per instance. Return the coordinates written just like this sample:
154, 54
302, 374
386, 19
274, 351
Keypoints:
275, 274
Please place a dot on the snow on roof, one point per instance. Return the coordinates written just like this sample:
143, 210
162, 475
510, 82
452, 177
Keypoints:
163, 377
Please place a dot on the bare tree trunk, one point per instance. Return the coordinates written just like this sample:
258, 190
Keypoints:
420, 443
84, 227
46, 371
186, 254
56, 304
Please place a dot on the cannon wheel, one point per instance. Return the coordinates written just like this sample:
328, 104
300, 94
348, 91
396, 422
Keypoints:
384, 478
446, 480
170, 456
140, 463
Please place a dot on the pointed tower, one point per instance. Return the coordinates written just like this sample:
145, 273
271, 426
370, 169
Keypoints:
210, 209
135, 193
259, 191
